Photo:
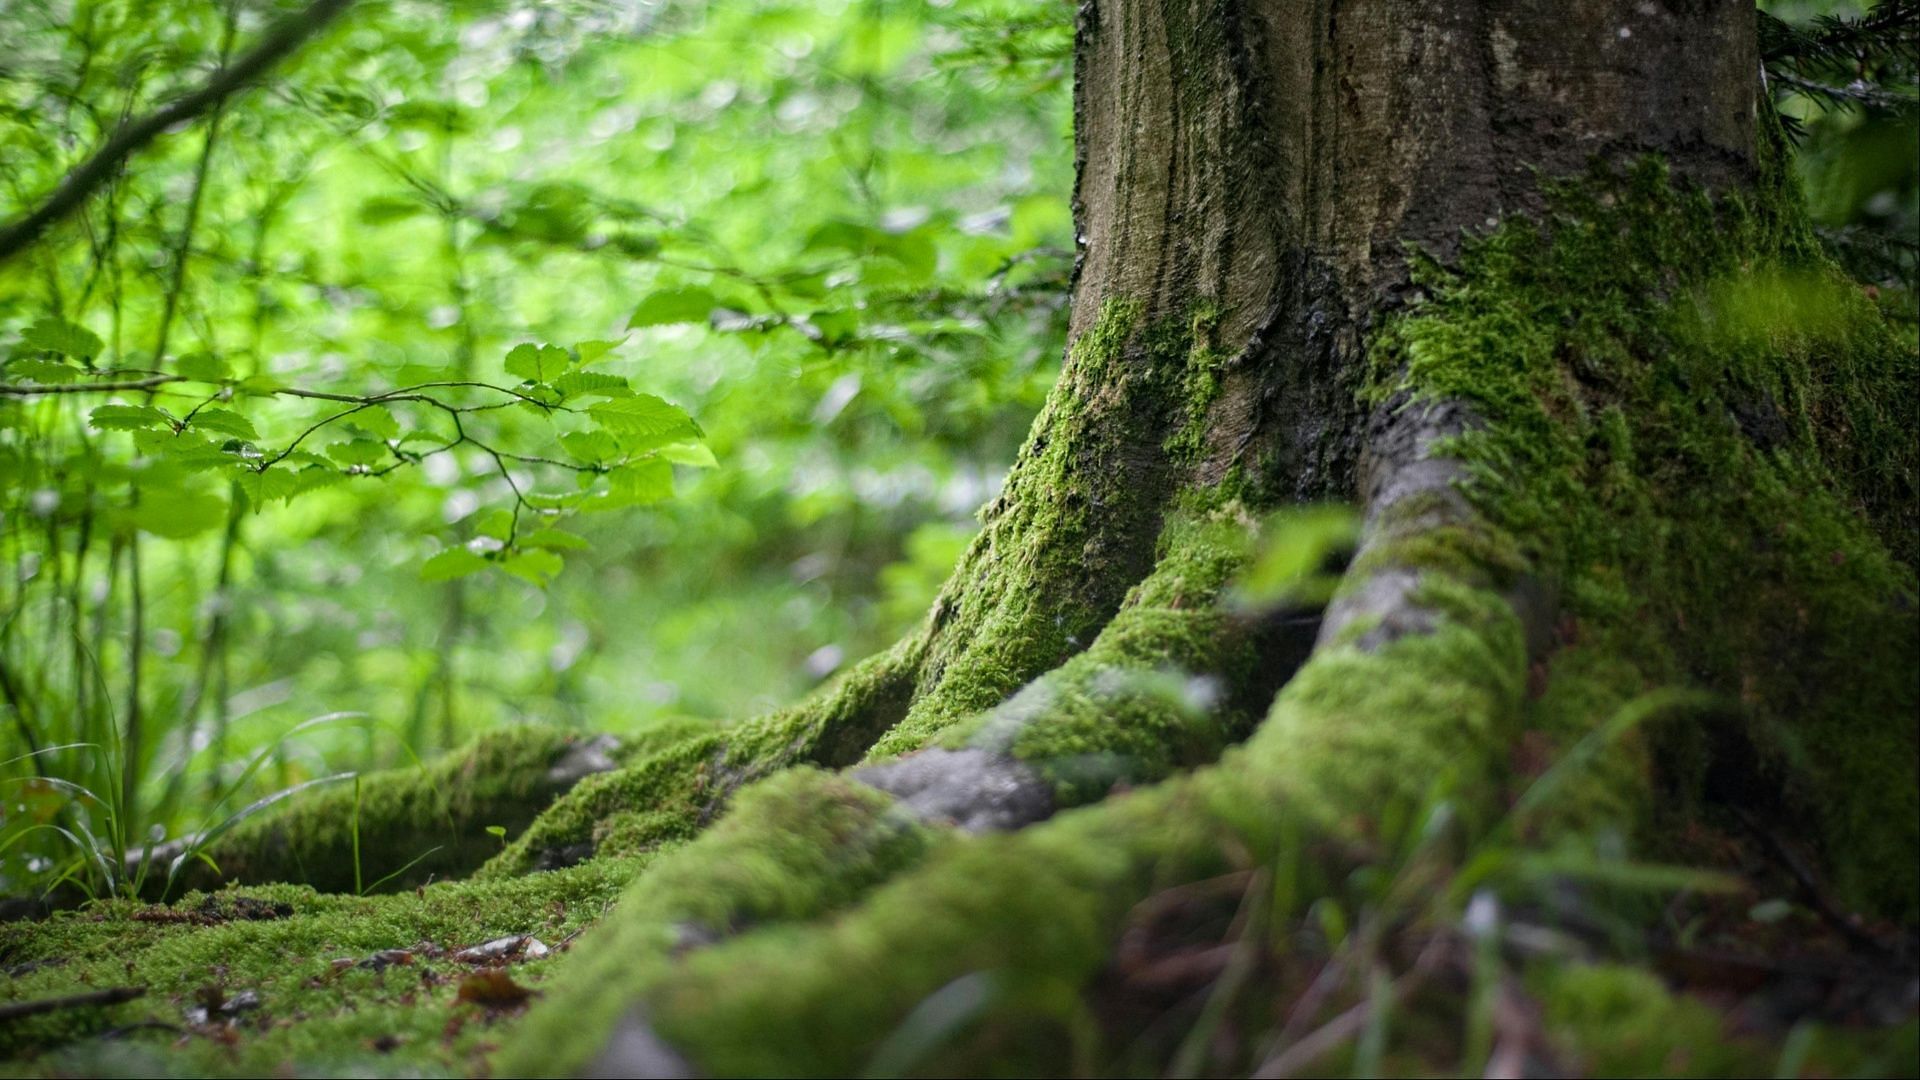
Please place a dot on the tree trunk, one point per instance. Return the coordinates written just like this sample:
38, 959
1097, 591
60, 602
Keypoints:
1529, 282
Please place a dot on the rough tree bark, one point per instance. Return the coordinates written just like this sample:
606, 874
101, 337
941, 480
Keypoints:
1527, 281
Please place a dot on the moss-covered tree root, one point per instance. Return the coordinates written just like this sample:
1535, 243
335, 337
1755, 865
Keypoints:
1353, 733
397, 828
1631, 573
1568, 511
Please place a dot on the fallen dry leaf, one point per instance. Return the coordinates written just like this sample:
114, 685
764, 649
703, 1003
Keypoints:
493, 989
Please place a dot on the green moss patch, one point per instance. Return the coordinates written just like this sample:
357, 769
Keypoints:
1703, 435
298, 981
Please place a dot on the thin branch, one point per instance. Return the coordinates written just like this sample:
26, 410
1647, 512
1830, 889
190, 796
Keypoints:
274, 45
29, 390
1858, 92
13, 1010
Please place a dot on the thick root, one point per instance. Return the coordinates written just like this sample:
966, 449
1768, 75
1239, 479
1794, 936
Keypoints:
1358, 731
1354, 733
397, 828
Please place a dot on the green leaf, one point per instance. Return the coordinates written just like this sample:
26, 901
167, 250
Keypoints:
376, 421
538, 363
496, 523
176, 514
43, 371
537, 566
694, 454
591, 351
641, 483
590, 384
538, 399
193, 453
592, 447
454, 562
382, 209
224, 422
357, 452
127, 418
315, 477
646, 419
686, 305
848, 236
1300, 549
268, 486
202, 367
554, 540
65, 338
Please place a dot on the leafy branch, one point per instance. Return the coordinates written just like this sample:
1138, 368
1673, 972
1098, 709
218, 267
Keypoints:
1870, 62
632, 443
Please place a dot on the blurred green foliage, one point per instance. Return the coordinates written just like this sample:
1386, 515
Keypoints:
1845, 77
748, 305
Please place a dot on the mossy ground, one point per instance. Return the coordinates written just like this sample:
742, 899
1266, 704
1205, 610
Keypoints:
326, 1005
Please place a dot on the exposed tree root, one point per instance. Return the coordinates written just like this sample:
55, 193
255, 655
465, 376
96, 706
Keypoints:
397, 828
1356, 732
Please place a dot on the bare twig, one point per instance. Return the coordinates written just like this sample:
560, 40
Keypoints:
113, 995
31, 390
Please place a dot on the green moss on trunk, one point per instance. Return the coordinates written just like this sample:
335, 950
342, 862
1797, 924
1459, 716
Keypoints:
1691, 421
1167, 685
